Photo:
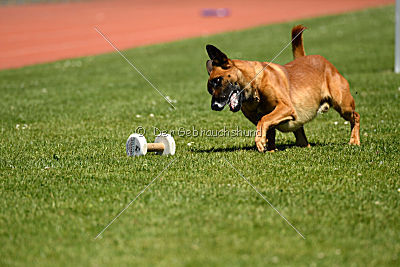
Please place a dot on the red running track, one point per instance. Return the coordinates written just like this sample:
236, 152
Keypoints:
38, 33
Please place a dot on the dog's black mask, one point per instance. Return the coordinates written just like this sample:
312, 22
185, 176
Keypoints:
232, 95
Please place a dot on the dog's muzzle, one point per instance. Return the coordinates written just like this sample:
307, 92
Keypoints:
217, 106
234, 99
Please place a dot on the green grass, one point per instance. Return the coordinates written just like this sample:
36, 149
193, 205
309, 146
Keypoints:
66, 175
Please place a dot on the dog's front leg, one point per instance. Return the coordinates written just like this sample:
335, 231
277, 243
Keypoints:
271, 139
281, 113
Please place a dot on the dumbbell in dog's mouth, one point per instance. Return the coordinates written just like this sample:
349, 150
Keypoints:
233, 97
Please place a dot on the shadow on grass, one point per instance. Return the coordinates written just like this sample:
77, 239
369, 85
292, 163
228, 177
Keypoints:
280, 147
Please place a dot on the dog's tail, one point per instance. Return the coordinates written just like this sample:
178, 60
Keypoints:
297, 41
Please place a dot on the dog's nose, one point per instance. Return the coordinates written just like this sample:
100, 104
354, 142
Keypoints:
216, 106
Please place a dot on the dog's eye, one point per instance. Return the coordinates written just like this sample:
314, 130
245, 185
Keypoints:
216, 82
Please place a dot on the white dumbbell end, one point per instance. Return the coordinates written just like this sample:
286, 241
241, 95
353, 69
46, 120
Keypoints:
136, 145
168, 142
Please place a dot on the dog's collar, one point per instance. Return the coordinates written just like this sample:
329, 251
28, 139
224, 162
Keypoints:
256, 96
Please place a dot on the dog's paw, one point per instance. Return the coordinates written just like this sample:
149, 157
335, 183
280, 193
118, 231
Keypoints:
260, 144
260, 147
354, 142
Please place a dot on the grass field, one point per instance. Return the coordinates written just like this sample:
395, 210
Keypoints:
65, 174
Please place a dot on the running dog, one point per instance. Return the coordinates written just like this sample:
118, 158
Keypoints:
281, 97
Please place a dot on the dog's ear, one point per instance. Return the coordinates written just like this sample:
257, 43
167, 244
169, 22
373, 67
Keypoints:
217, 57
209, 66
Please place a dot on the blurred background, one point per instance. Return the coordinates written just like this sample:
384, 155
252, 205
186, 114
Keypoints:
37, 31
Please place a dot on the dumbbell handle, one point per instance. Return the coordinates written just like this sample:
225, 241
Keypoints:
155, 147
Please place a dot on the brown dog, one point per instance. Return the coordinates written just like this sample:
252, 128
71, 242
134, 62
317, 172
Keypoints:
282, 97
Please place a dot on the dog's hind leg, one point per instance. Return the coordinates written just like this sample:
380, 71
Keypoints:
349, 114
343, 102
301, 139
355, 129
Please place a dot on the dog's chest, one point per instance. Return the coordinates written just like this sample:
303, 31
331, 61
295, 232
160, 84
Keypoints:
254, 111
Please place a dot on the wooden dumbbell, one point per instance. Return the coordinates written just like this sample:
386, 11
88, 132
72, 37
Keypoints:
136, 145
